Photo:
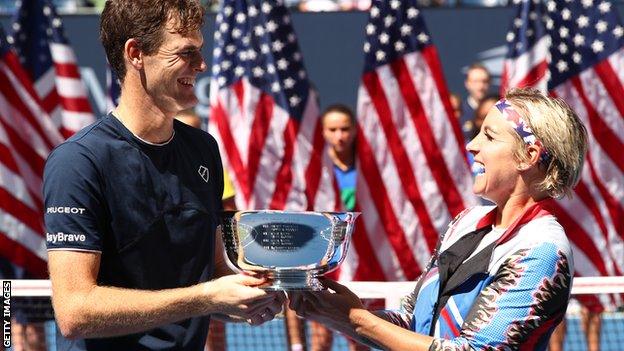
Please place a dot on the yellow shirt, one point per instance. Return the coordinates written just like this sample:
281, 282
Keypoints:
228, 187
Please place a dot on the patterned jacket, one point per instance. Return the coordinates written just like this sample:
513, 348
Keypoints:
492, 289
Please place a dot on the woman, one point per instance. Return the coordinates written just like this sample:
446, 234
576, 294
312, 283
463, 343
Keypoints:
501, 275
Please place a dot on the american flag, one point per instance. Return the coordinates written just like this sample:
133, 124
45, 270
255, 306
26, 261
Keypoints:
264, 112
45, 53
413, 177
26, 137
575, 50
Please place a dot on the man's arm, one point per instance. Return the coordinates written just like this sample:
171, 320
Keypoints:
84, 309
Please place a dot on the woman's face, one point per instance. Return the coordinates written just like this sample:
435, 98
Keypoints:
338, 131
496, 174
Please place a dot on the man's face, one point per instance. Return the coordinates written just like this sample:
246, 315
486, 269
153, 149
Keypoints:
171, 71
477, 83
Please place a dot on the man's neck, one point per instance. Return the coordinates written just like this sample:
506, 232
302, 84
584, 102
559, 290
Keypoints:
143, 118
342, 160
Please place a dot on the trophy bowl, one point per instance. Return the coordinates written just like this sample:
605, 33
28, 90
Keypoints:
290, 249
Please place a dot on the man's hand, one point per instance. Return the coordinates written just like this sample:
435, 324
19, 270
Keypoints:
238, 296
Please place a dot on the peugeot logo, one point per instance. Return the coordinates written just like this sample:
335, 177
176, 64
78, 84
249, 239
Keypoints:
203, 172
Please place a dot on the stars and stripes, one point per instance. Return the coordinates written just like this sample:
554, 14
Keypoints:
27, 135
264, 112
45, 53
574, 49
413, 177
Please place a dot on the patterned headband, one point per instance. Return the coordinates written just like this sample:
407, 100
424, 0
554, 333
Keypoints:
521, 127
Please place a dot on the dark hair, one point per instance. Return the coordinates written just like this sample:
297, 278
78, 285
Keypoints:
339, 108
144, 20
477, 65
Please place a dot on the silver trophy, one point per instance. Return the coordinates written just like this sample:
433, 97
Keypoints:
291, 249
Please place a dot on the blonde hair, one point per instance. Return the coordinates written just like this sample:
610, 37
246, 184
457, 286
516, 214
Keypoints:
560, 131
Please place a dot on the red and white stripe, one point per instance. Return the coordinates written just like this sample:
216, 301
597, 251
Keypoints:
27, 135
413, 177
274, 161
63, 92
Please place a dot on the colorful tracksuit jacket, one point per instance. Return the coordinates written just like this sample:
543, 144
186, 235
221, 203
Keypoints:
493, 289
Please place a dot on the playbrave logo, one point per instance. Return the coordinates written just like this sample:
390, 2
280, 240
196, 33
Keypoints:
61, 237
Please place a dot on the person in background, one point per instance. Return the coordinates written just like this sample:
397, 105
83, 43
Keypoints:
477, 85
501, 276
456, 104
591, 324
132, 201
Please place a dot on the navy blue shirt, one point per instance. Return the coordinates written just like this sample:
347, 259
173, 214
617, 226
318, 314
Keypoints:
150, 210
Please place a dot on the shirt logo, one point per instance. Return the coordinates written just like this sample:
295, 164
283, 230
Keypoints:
203, 172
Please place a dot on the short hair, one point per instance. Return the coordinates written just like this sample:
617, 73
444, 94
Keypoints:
144, 20
477, 65
341, 108
560, 131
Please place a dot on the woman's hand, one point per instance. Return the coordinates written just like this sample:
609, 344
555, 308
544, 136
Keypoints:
335, 307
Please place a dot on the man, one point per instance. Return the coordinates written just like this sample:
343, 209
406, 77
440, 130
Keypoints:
477, 84
132, 201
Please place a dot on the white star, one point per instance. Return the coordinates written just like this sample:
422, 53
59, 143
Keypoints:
582, 21
380, 55
10, 39
395, 4
258, 72
294, 100
265, 48
366, 47
224, 27
533, 15
291, 38
518, 22
597, 46
297, 56
266, 7
551, 6
240, 17
49, 31
563, 32
576, 57
259, 31
578, 40
216, 69
566, 14
601, 26
374, 11
563, 48
253, 11
618, 31
277, 46
47, 11
221, 80
230, 49
289, 83
271, 26
227, 10
16, 27
286, 19
302, 74
388, 20
251, 54
604, 7
529, 32
550, 24
282, 64
399, 46
422, 37
219, 17
519, 46
412, 12
406, 30
217, 35
383, 38
275, 87
562, 66
510, 36
56, 22
587, 3
370, 29
236, 33
225, 65
239, 71
217, 51
242, 55
270, 68
246, 39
